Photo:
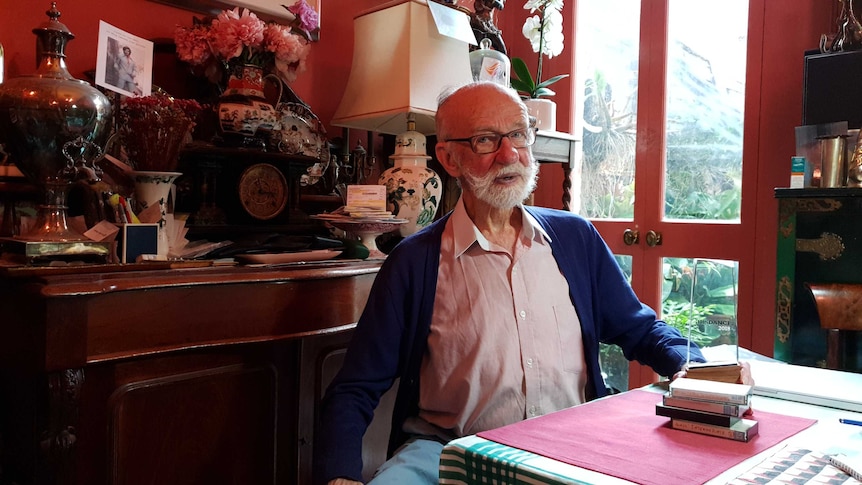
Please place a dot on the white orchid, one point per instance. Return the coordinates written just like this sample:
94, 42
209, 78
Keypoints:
545, 33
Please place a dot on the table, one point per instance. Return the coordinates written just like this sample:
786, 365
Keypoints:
473, 459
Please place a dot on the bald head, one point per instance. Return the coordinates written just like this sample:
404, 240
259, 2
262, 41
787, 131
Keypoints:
467, 109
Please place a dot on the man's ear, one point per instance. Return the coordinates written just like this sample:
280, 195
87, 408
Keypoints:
446, 160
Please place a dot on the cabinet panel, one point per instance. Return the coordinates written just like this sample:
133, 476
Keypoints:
819, 241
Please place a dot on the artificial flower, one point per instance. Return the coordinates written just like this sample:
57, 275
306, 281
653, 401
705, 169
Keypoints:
545, 33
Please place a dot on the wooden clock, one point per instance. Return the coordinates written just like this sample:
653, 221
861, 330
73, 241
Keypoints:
263, 191
233, 191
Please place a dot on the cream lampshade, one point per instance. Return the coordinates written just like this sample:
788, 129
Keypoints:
401, 63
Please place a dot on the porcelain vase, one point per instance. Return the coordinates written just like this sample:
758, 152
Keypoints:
153, 189
545, 112
245, 117
413, 192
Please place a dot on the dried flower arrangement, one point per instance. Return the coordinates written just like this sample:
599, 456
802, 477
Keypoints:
154, 128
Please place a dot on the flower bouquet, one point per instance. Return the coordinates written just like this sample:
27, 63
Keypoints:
239, 37
153, 128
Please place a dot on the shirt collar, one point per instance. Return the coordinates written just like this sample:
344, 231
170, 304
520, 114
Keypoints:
466, 233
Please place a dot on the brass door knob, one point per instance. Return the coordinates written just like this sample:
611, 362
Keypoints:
653, 238
631, 236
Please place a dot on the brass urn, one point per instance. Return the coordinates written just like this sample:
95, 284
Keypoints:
54, 128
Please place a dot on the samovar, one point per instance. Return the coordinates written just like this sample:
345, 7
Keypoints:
54, 128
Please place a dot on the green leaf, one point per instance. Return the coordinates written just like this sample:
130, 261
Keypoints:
523, 81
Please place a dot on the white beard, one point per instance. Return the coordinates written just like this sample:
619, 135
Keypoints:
503, 197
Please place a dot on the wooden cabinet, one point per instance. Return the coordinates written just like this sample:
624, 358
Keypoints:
192, 376
819, 241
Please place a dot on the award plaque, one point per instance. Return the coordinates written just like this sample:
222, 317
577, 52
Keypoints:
714, 330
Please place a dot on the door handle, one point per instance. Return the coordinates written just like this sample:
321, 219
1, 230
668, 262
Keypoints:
653, 238
631, 236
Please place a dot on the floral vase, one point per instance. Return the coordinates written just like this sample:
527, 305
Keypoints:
412, 192
412, 189
245, 118
545, 112
152, 189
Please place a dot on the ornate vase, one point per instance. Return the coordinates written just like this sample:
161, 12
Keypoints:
413, 190
545, 112
245, 117
54, 127
153, 189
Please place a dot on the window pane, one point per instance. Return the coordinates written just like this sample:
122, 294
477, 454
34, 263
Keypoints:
705, 104
615, 367
606, 71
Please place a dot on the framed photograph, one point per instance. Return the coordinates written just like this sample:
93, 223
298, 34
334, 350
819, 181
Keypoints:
124, 62
265, 9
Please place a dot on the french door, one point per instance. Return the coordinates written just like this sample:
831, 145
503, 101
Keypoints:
663, 89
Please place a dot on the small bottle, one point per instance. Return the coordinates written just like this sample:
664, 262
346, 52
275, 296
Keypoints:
490, 65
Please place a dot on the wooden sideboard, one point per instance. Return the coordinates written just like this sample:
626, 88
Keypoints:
194, 375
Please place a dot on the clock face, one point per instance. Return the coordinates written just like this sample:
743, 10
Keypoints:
263, 191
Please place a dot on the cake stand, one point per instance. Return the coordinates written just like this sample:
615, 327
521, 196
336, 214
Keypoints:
367, 231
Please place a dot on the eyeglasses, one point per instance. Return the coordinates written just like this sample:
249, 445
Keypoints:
490, 142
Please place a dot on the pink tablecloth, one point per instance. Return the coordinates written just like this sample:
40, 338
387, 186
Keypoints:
622, 436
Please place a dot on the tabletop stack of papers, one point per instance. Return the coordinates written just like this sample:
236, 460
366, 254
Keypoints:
709, 407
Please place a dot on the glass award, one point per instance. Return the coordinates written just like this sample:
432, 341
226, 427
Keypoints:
712, 323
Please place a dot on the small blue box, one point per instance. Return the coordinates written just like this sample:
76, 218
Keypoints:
137, 239
800, 173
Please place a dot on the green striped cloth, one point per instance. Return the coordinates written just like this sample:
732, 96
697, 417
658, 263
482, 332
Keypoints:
472, 461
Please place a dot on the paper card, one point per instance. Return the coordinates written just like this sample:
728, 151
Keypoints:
370, 196
452, 23
103, 232
124, 62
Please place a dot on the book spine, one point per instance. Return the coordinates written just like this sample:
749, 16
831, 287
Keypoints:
706, 406
713, 430
698, 416
710, 396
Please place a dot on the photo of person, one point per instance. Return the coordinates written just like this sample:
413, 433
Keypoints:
124, 62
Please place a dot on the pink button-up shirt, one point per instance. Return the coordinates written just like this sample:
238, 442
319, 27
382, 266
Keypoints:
505, 341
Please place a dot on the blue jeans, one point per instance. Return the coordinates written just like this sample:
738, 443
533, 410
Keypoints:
416, 463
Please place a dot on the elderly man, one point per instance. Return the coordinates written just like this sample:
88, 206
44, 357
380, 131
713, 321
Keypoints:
489, 316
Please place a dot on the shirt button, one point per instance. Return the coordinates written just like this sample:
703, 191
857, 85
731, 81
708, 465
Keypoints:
523, 314
530, 363
532, 410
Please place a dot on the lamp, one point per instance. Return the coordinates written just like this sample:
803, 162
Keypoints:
401, 64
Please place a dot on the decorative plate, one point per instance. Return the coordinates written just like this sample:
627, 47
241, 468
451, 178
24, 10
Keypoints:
299, 131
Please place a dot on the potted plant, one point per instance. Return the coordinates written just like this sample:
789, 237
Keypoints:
544, 30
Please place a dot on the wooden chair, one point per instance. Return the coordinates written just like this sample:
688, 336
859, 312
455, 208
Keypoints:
839, 307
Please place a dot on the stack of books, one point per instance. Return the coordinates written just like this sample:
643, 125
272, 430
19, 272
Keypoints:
709, 407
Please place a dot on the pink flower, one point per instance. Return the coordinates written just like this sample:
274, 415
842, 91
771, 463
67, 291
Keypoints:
290, 51
307, 16
192, 46
231, 32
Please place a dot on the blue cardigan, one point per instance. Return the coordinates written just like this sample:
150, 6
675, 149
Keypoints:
391, 336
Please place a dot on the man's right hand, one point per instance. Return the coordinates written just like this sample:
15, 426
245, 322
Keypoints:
344, 481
